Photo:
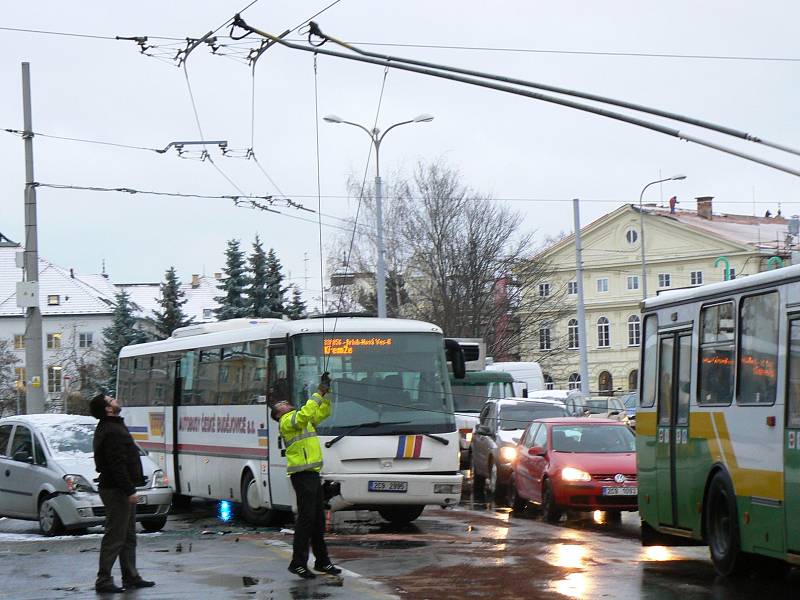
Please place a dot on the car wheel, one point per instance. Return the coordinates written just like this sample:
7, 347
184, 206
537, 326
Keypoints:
49, 522
478, 483
518, 504
153, 525
722, 527
494, 490
550, 511
401, 515
251, 511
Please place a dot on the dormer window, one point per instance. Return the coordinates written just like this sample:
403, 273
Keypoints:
53, 300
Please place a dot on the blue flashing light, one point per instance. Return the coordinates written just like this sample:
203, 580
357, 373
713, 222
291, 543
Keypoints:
225, 511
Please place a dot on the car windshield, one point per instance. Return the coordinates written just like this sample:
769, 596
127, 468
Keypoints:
598, 406
630, 400
469, 398
593, 438
69, 439
383, 378
517, 416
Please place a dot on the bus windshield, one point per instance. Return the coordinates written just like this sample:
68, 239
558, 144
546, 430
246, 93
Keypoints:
384, 378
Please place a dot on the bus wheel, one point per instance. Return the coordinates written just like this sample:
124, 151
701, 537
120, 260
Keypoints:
722, 527
401, 515
153, 525
181, 502
251, 511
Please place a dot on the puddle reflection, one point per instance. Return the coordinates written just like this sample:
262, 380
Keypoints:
574, 585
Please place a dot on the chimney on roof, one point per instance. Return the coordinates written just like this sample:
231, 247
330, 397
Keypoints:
704, 207
217, 276
195, 280
72, 273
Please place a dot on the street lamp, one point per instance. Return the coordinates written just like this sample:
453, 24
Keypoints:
377, 137
641, 228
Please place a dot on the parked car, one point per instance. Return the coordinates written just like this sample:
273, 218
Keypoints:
47, 474
598, 407
578, 464
494, 441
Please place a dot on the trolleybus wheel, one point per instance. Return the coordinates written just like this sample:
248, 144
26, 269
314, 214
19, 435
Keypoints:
401, 515
722, 527
251, 511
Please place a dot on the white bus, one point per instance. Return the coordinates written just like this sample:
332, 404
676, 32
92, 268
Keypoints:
199, 403
718, 425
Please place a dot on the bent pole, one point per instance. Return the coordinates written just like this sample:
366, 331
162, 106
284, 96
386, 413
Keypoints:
239, 22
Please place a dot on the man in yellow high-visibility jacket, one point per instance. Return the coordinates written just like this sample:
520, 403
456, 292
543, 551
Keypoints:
303, 464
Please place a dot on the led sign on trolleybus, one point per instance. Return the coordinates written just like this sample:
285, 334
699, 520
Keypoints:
345, 346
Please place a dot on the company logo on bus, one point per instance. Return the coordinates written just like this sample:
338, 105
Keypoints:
344, 346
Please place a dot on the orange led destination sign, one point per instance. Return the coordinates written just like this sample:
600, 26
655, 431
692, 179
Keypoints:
344, 346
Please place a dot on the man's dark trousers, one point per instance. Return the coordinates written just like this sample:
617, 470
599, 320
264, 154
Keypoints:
119, 539
310, 524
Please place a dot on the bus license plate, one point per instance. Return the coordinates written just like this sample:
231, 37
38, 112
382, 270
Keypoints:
388, 486
620, 491
141, 499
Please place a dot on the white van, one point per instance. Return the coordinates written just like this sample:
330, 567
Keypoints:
529, 373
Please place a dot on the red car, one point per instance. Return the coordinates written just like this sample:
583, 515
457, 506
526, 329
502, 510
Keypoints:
577, 464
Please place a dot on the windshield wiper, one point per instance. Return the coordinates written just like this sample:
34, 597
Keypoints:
352, 429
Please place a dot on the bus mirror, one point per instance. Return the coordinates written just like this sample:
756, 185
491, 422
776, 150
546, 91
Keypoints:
455, 356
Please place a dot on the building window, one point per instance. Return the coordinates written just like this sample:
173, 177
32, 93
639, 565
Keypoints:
731, 273
19, 341
633, 282
631, 236
208, 313
549, 384
633, 380
53, 300
544, 290
574, 381
54, 379
53, 341
85, 340
573, 342
544, 337
602, 284
572, 288
696, 278
603, 333
664, 280
634, 331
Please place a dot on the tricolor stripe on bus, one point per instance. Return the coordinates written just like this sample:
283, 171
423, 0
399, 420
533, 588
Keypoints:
263, 438
138, 433
409, 446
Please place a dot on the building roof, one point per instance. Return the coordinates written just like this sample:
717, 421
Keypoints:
200, 295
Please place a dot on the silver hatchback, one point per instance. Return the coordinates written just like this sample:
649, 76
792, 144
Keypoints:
47, 474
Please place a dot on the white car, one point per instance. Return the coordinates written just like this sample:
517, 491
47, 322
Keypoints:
47, 474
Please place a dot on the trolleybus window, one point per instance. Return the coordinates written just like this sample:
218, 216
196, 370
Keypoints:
391, 378
793, 393
758, 349
715, 374
648, 395
666, 358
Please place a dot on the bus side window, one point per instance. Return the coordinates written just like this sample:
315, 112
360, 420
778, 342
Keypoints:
648, 395
277, 384
717, 338
188, 364
758, 349
793, 393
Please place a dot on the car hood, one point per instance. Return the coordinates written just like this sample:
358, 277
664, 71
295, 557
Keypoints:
84, 466
622, 462
506, 436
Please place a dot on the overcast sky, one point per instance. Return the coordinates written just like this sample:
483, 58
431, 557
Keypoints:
536, 154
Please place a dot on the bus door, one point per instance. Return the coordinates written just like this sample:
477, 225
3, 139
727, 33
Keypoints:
672, 449
280, 488
791, 460
171, 423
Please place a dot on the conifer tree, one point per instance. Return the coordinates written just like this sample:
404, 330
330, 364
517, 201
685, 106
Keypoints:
171, 317
257, 293
122, 332
276, 294
297, 307
233, 301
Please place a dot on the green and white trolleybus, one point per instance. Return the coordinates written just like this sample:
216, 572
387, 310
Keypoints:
199, 403
718, 427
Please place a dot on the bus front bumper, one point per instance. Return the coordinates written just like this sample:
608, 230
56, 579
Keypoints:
365, 490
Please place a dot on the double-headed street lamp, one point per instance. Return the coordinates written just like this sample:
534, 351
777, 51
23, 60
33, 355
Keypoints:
377, 137
641, 228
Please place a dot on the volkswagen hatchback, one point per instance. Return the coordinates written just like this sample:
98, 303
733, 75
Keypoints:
47, 474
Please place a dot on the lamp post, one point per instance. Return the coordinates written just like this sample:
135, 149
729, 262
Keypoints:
641, 228
377, 137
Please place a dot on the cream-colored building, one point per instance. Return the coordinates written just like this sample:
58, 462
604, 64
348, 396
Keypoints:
683, 248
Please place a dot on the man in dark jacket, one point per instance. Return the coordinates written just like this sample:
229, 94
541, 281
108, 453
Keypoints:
116, 458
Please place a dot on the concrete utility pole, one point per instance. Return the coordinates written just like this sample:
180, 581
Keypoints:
583, 341
34, 397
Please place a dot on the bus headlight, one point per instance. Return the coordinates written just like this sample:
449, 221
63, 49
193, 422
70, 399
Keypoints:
508, 453
159, 479
447, 488
573, 474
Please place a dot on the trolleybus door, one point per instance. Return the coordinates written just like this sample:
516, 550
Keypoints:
280, 488
791, 460
672, 449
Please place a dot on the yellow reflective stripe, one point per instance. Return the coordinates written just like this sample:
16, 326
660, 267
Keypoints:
302, 436
306, 467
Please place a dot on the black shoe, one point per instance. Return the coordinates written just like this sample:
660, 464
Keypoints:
301, 571
138, 584
108, 588
328, 569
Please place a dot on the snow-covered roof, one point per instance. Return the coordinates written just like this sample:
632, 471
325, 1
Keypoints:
200, 295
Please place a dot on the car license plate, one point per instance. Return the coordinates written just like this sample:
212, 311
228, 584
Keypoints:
141, 500
620, 491
388, 486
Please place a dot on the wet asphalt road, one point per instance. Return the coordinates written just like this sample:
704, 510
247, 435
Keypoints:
471, 551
